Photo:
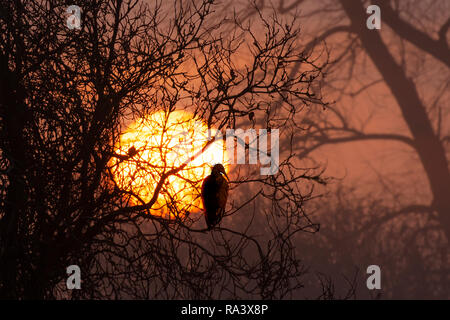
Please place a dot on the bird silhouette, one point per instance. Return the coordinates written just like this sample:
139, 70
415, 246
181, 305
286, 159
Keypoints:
214, 195
132, 152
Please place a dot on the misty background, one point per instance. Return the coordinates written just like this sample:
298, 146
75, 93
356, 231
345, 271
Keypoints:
382, 139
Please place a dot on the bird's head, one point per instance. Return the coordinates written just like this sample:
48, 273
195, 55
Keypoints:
219, 169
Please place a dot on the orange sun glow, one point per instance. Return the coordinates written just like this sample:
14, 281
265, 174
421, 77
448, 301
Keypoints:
162, 142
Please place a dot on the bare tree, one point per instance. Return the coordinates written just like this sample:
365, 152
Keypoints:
400, 70
68, 95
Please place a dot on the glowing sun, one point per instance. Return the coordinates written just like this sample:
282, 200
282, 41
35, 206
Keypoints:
160, 142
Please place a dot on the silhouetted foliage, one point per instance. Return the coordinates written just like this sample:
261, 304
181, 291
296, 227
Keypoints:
68, 94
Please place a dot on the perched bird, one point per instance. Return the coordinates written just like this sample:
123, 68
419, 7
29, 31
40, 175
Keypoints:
214, 195
132, 152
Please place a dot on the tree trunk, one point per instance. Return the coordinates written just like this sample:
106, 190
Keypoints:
13, 112
428, 145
